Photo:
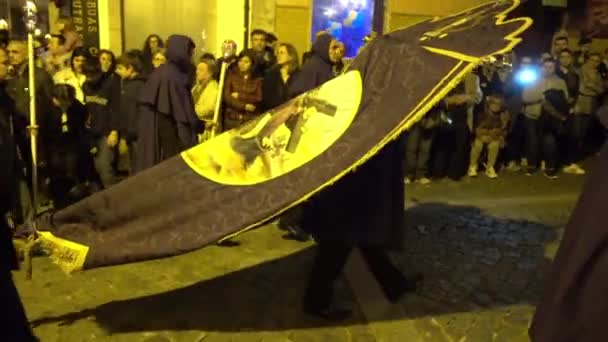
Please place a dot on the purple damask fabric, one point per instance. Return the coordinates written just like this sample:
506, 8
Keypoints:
169, 209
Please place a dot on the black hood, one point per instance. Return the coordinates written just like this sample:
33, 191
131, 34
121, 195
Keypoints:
179, 51
321, 47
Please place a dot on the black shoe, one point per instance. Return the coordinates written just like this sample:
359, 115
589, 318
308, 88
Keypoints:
410, 284
331, 314
228, 243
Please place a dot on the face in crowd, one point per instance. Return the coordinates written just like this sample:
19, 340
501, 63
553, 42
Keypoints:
561, 44
105, 60
594, 61
78, 63
54, 44
334, 51
17, 53
158, 59
154, 43
565, 59
283, 56
245, 64
124, 72
203, 73
548, 68
258, 42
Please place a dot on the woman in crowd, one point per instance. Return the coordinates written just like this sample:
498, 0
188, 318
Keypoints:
275, 90
205, 90
152, 45
242, 92
74, 75
107, 60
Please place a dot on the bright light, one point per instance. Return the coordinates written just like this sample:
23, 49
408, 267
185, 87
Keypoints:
527, 76
330, 12
3, 24
37, 32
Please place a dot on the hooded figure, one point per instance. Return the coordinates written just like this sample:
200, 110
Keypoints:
168, 122
572, 308
317, 69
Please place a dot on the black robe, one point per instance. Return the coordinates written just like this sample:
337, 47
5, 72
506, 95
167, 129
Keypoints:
573, 307
167, 122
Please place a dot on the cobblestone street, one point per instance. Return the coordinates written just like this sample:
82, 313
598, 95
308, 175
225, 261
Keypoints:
483, 247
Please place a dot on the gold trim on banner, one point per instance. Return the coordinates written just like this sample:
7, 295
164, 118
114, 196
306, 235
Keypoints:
69, 256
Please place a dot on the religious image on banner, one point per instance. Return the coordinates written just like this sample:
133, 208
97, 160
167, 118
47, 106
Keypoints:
280, 140
597, 19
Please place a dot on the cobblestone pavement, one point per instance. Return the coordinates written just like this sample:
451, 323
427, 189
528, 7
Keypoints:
482, 245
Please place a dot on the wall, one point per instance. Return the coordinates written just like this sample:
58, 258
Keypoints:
293, 23
405, 13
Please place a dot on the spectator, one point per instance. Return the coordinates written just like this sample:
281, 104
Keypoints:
560, 43
242, 92
107, 60
152, 45
567, 72
18, 88
130, 69
584, 47
264, 58
587, 103
513, 99
99, 91
14, 323
278, 79
543, 134
418, 146
490, 132
205, 91
74, 75
65, 136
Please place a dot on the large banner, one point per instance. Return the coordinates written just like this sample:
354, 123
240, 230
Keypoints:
247, 176
85, 15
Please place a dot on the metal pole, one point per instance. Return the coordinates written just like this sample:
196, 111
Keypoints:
228, 51
218, 100
30, 18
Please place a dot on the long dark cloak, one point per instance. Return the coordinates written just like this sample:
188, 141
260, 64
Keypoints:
573, 307
170, 209
167, 92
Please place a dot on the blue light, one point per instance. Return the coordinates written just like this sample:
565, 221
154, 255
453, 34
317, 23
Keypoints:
527, 76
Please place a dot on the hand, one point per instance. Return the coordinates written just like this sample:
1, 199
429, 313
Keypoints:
235, 95
112, 139
123, 148
249, 107
32, 130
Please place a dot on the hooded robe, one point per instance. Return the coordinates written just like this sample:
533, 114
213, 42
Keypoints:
572, 308
167, 122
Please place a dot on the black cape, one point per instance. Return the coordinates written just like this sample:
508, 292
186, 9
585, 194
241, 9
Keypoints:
167, 93
573, 307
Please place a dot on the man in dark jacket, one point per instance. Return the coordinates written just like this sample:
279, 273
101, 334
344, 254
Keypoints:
98, 91
130, 69
13, 321
17, 88
168, 122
